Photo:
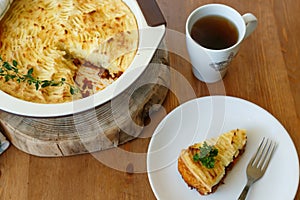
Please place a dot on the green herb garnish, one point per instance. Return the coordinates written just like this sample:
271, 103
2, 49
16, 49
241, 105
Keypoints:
10, 71
206, 155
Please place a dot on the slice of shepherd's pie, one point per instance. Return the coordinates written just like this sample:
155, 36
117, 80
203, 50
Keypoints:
204, 165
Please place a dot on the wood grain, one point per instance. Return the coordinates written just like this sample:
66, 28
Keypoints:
266, 72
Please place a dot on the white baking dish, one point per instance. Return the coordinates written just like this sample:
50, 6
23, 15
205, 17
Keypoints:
149, 39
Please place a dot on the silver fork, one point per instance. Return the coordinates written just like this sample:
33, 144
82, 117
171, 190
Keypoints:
258, 164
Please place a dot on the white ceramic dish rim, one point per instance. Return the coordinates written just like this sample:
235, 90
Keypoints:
149, 39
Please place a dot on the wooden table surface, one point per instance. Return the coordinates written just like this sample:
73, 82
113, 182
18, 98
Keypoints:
265, 72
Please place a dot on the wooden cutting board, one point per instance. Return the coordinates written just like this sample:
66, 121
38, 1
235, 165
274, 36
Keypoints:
110, 125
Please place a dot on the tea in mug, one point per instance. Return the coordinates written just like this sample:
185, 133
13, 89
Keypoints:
215, 32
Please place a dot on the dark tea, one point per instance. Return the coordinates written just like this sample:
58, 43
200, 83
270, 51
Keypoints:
215, 32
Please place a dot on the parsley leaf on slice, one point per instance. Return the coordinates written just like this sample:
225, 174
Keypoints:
206, 155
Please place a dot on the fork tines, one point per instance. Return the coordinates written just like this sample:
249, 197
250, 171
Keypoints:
263, 155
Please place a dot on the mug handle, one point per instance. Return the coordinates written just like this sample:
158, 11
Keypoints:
251, 23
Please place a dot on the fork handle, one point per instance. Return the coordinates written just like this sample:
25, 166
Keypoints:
244, 193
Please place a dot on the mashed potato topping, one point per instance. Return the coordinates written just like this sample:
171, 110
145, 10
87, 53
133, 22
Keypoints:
82, 41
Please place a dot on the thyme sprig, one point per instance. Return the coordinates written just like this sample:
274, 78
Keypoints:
10, 71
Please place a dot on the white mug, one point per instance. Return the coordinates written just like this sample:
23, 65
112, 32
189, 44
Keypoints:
210, 65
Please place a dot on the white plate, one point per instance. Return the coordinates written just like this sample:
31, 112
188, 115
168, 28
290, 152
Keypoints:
149, 39
207, 117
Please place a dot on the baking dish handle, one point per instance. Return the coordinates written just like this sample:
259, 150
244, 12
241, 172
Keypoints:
152, 12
